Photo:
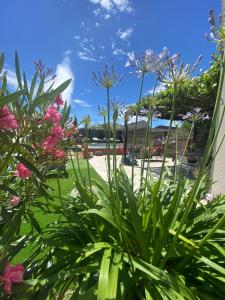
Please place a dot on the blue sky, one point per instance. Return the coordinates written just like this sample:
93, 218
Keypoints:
77, 37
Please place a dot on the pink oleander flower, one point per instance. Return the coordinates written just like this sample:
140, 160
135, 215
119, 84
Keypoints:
49, 143
7, 119
14, 201
59, 101
59, 154
12, 274
58, 132
22, 171
52, 115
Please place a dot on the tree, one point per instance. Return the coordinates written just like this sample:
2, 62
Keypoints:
199, 91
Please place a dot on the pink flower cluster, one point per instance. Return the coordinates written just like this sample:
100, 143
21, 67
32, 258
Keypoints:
12, 274
59, 101
52, 115
51, 142
7, 119
59, 154
14, 201
22, 171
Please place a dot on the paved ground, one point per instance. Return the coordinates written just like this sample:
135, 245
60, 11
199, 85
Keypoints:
99, 164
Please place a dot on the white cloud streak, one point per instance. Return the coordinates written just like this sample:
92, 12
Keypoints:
124, 35
160, 87
64, 72
81, 103
114, 5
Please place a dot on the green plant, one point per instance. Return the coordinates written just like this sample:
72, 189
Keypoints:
159, 242
32, 128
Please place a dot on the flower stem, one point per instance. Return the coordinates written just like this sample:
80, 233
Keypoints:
108, 135
167, 138
88, 165
148, 136
135, 128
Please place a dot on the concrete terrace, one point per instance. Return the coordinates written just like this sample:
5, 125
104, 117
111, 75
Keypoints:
99, 164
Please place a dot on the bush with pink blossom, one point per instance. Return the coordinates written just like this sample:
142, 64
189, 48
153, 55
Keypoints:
34, 135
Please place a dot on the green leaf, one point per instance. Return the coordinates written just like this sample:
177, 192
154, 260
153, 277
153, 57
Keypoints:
174, 288
59, 89
105, 214
90, 294
111, 292
8, 189
32, 87
104, 275
211, 264
10, 98
4, 84
34, 221
17, 67
91, 249
65, 114
14, 225
85, 196
2, 59
40, 87
46, 99
26, 86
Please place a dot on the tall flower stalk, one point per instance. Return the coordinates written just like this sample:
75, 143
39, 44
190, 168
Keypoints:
87, 121
147, 142
194, 116
173, 74
107, 80
115, 118
148, 62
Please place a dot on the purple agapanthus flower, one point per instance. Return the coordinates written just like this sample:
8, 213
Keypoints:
217, 31
147, 62
175, 71
196, 115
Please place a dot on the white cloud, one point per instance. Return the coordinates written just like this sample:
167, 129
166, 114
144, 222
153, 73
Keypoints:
97, 24
114, 5
85, 56
87, 50
82, 24
107, 16
160, 87
64, 72
123, 5
124, 35
76, 37
81, 103
106, 4
117, 51
97, 11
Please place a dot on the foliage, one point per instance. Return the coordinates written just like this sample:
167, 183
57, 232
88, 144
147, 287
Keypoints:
124, 246
25, 164
199, 91
109, 241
